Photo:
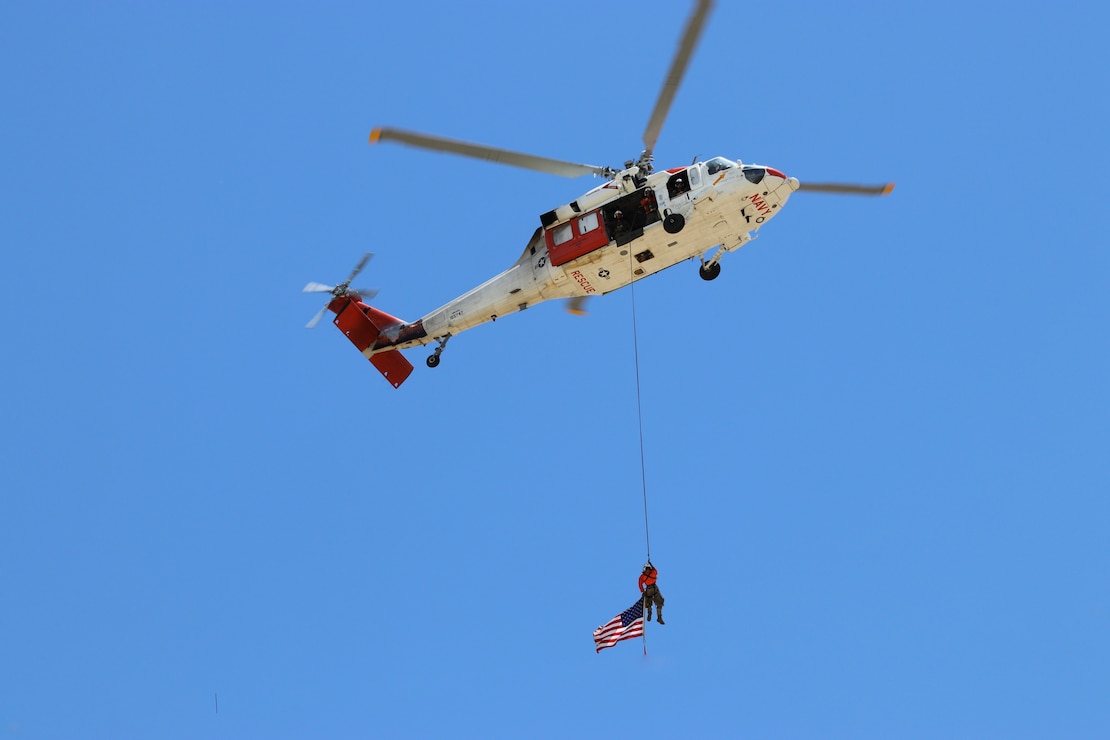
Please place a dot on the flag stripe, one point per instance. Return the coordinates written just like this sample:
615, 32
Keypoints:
610, 642
622, 634
635, 631
614, 628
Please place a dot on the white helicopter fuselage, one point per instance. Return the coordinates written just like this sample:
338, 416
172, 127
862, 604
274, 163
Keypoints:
710, 205
634, 225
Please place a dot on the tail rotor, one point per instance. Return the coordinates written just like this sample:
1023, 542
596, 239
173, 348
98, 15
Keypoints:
343, 290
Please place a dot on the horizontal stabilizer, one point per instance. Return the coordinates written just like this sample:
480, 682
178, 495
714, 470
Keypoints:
393, 366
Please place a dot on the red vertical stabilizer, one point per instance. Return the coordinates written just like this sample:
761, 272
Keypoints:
362, 324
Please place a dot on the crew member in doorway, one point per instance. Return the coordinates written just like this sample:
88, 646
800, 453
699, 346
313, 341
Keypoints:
651, 592
619, 225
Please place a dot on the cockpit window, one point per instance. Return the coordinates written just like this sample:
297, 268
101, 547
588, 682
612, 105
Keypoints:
754, 174
718, 164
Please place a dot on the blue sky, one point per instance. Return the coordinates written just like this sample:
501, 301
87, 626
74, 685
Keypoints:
876, 446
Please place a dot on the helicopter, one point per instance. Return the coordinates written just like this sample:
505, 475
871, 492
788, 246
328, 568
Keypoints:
638, 222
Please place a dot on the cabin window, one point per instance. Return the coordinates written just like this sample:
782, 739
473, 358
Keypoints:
717, 164
695, 176
587, 223
678, 184
561, 234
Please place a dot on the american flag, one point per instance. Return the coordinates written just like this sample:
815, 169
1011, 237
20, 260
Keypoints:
624, 626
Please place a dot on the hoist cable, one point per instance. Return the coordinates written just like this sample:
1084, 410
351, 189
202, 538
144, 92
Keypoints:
640, 415
640, 423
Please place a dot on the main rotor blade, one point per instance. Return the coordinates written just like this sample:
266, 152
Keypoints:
675, 74
846, 189
577, 305
488, 153
318, 288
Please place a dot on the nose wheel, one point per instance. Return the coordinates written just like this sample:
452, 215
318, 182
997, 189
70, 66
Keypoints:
433, 359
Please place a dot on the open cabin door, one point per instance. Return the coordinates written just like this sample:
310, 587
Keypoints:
620, 221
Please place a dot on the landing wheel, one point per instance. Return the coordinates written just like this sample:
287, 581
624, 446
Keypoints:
673, 223
709, 272
433, 359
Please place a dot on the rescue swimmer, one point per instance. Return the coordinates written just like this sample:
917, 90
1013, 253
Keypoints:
650, 592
